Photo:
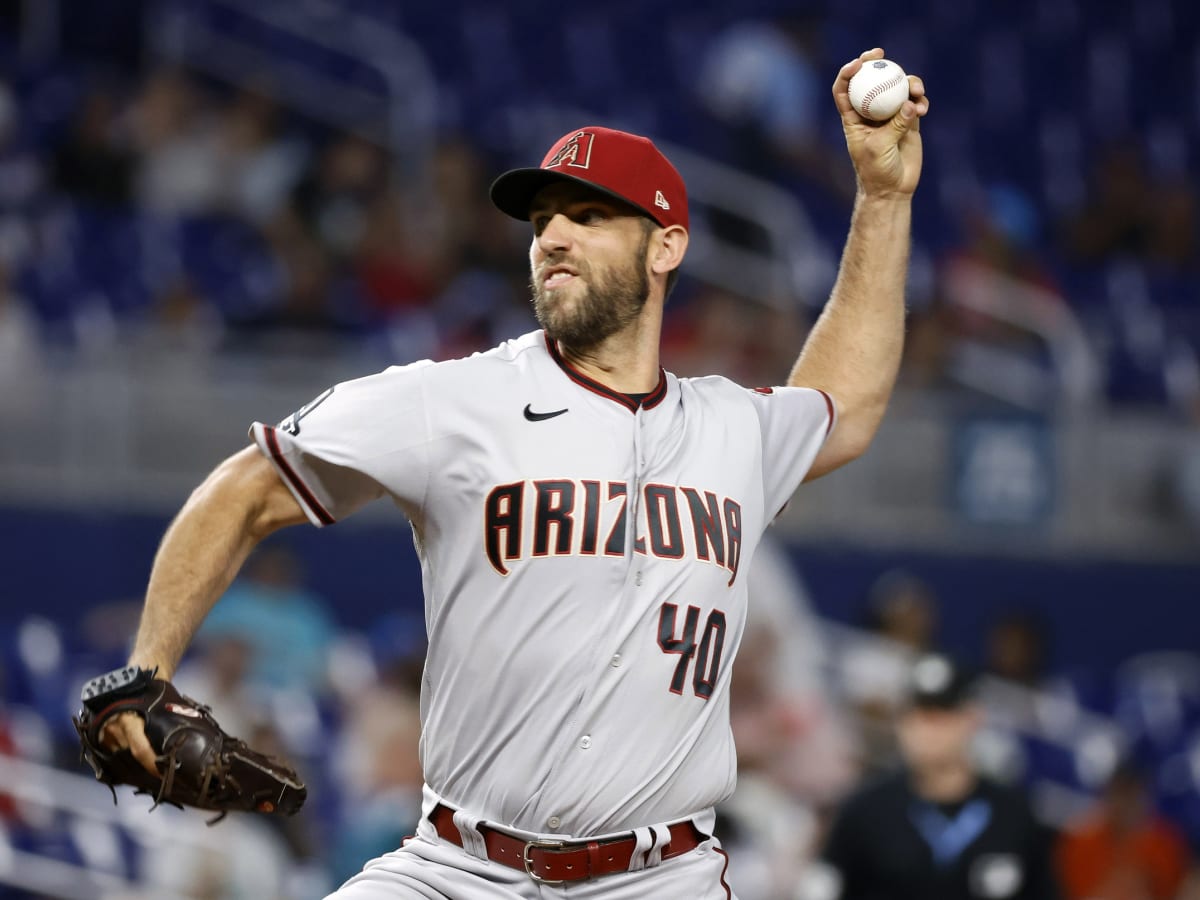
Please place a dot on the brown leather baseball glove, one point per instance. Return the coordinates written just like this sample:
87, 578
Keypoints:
199, 764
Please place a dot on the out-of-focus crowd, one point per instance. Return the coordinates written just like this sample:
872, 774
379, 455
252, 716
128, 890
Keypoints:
820, 714
136, 195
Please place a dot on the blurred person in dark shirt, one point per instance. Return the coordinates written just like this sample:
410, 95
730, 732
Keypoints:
95, 162
937, 828
1134, 212
1016, 648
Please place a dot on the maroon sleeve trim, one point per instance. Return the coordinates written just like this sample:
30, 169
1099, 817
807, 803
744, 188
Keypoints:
829, 405
297, 484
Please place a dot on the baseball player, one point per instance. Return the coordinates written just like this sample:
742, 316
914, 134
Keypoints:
584, 521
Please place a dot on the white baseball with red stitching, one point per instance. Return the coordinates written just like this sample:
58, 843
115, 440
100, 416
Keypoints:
878, 89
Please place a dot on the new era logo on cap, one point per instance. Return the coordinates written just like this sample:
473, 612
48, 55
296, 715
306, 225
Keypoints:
622, 165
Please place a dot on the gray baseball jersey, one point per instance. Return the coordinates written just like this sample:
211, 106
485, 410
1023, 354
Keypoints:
584, 559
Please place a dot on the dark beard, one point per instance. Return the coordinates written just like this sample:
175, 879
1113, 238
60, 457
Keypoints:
609, 305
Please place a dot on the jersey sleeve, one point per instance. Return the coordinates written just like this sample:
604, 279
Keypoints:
353, 443
794, 423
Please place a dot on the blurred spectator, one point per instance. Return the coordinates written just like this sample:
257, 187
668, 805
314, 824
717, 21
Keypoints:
179, 142
383, 798
1130, 213
334, 200
902, 607
485, 296
396, 265
756, 74
1016, 649
218, 674
460, 224
795, 752
94, 162
716, 331
377, 757
218, 671
937, 829
760, 80
251, 856
307, 299
901, 621
288, 627
708, 334
183, 320
1123, 849
308, 275
1022, 698
21, 172
261, 167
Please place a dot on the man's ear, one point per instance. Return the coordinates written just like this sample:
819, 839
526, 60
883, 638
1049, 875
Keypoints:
669, 250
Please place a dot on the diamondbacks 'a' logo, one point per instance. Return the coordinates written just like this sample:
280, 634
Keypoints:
575, 152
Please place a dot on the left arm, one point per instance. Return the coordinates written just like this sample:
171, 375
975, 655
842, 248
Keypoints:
853, 352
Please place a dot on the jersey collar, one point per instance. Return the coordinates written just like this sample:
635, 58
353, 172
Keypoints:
651, 400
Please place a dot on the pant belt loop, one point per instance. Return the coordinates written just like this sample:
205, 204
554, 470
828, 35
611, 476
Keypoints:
662, 837
472, 840
643, 841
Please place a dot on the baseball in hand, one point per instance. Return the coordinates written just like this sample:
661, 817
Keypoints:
878, 89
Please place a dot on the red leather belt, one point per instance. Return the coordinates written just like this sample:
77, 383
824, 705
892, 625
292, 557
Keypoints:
553, 862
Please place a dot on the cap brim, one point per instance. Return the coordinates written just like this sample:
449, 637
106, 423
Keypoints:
513, 192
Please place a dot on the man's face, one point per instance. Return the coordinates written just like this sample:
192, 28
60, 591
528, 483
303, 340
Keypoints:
587, 263
932, 737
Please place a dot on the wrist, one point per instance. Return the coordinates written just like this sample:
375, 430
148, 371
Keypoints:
151, 663
882, 198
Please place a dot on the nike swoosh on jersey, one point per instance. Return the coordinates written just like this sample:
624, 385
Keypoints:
539, 417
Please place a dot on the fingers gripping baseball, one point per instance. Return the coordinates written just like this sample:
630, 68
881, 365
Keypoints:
886, 155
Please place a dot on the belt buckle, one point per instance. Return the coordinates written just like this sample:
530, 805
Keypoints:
540, 845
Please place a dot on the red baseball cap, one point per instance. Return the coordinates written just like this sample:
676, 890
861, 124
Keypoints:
625, 166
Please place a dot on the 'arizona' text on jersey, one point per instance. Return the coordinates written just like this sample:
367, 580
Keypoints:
582, 556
